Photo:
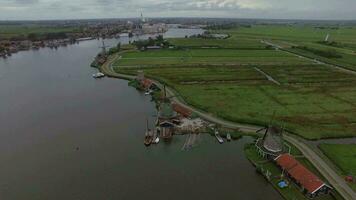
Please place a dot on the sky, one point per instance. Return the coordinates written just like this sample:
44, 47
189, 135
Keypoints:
90, 9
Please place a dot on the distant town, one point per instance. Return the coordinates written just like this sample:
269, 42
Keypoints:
22, 36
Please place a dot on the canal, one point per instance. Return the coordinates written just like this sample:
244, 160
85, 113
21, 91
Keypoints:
64, 135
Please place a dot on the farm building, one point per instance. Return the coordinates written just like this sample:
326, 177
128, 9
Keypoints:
145, 83
182, 111
272, 144
167, 118
311, 185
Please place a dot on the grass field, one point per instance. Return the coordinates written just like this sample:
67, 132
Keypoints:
232, 43
343, 156
292, 191
8, 31
312, 100
208, 57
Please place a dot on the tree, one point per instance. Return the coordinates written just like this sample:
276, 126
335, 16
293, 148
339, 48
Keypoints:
32, 36
160, 39
118, 46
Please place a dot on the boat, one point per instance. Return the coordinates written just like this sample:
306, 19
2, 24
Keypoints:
156, 140
98, 75
218, 137
148, 136
148, 92
228, 137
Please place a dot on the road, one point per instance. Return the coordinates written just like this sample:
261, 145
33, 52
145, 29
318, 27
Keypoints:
333, 178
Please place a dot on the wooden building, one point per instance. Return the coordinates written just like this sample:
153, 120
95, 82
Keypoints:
167, 119
271, 144
310, 184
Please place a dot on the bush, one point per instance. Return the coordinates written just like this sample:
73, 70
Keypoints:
331, 53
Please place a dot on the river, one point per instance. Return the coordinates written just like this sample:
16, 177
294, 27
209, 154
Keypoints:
65, 135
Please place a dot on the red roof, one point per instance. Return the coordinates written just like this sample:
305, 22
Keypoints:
146, 83
286, 161
181, 110
297, 171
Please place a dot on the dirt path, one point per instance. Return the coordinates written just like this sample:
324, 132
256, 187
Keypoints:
270, 78
312, 60
333, 178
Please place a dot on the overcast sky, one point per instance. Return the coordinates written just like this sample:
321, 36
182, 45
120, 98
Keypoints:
82, 9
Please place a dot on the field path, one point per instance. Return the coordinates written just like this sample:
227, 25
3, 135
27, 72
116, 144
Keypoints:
270, 78
333, 178
311, 59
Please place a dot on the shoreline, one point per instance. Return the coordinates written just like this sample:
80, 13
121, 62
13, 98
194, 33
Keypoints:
331, 176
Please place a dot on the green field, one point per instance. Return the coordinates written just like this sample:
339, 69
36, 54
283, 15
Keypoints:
343, 156
208, 57
312, 100
9, 31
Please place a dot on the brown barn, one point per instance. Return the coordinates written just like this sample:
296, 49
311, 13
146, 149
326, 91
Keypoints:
311, 185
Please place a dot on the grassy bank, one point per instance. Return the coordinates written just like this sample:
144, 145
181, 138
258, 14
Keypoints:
292, 191
343, 156
311, 100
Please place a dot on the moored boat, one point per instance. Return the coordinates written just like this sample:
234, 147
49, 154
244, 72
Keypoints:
218, 137
98, 75
156, 140
148, 136
228, 137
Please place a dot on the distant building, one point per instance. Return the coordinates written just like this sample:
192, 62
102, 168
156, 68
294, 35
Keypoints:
153, 47
143, 20
311, 185
154, 28
145, 83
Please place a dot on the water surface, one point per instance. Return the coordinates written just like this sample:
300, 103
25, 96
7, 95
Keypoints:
64, 135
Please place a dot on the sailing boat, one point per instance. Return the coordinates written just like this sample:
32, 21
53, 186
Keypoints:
148, 135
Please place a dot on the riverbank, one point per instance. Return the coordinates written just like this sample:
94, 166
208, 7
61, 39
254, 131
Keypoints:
326, 171
272, 174
343, 156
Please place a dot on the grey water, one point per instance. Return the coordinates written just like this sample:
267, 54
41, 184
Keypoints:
65, 135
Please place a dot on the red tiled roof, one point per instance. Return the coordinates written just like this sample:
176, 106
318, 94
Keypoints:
146, 83
301, 174
181, 110
286, 161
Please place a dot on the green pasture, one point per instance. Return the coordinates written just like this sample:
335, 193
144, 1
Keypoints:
231, 43
311, 100
294, 33
207, 57
343, 156
8, 31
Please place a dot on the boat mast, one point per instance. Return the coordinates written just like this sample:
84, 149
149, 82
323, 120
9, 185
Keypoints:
146, 127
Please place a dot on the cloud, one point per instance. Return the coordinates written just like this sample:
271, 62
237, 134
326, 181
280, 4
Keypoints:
286, 9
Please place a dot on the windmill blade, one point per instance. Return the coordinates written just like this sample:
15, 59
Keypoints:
260, 130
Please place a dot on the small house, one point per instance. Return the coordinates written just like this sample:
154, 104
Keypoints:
310, 184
